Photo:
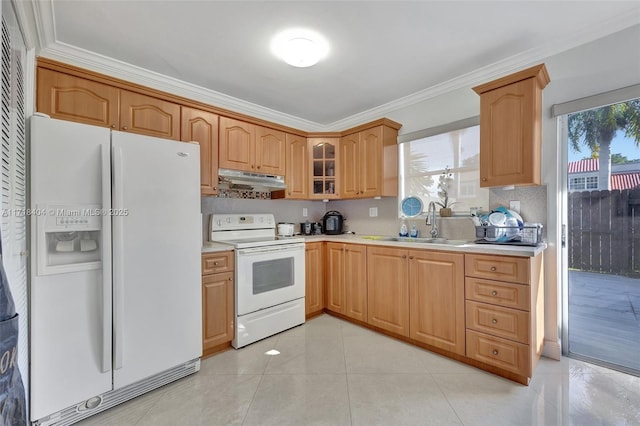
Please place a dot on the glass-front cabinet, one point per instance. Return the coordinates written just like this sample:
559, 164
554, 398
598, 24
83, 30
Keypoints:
324, 165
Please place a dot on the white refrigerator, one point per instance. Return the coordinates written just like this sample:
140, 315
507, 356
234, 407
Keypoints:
116, 235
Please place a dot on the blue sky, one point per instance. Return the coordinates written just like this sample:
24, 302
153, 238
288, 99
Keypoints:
619, 145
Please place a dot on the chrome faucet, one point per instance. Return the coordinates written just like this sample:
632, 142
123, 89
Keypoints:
431, 219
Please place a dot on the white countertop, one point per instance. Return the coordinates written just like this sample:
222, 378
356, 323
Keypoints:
209, 247
471, 247
505, 250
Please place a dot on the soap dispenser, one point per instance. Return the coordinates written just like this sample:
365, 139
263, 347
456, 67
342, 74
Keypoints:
404, 232
414, 231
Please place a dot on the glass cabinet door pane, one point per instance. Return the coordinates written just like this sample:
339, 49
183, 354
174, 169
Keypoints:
318, 152
317, 187
330, 168
330, 151
317, 168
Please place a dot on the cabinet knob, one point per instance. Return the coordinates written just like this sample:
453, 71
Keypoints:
495, 352
124, 127
253, 167
494, 321
215, 263
113, 126
494, 293
493, 269
289, 192
229, 278
258, 167
410, 257
404, 256
484, 179
215, 188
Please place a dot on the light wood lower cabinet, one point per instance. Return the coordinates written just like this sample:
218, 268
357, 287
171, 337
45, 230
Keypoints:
436, 292
505, 311
217, 301
314, 279
388, 289
347, 280
486, 310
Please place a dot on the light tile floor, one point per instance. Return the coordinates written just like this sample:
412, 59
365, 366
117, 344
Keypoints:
331, 372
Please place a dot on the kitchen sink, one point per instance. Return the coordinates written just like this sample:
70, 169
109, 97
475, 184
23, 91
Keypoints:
443, 241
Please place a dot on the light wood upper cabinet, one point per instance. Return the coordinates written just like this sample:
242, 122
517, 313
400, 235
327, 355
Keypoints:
66, 97
314, 278
324, 158
202, 127
436, 292
297, 167
369, 163
248, 147
149, 116
388, 289
270, 147
347, 280
511, 128
237, 140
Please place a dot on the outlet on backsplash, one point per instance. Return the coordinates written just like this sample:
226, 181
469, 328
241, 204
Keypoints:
514, 205
373, 212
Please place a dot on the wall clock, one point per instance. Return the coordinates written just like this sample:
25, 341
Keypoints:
411, 206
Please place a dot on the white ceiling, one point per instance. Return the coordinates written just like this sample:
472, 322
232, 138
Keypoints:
383, 53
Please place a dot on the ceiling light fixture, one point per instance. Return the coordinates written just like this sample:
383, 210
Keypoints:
300, 47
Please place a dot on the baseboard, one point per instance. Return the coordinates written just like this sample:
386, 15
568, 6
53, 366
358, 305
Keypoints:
552, 349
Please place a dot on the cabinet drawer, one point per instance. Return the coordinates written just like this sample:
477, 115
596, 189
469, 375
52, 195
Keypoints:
502, 353
497, 293
214, 263
498, 321
502, 268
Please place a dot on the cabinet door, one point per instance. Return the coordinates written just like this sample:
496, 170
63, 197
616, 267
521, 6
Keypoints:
237, 140
388, 289
508, 121
335, 278
324, 159
66, 97
355, 281
370, 151
314, 279
297, 167
349, 166
269, 151
202, 127
149, 116
217, 310
436, 291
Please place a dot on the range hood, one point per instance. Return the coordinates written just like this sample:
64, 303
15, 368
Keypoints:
237, 177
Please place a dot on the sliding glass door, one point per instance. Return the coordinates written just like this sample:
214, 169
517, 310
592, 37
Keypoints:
602, 236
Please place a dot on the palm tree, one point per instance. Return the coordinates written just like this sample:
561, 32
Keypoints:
596, 128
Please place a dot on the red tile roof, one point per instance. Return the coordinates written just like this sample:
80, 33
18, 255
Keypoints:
628, 180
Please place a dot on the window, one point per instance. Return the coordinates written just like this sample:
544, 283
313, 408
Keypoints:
576, 183
592, 182
423, 162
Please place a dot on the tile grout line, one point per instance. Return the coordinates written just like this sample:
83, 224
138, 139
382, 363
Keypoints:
446, 398
346, 373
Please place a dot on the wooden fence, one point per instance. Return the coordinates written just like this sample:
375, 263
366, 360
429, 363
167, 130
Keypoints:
603, 232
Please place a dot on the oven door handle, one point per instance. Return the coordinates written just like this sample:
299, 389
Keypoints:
270, 249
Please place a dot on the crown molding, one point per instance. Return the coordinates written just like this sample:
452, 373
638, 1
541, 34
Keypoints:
43, 17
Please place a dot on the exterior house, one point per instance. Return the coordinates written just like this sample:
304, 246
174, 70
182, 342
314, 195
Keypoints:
583, 175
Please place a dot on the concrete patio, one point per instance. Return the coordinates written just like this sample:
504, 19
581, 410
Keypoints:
604, 318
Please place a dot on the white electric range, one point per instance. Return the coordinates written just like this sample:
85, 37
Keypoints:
269, 275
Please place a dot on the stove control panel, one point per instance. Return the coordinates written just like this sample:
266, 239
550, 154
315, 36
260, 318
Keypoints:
234, 222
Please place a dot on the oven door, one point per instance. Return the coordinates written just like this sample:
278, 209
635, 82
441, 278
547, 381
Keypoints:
268, 276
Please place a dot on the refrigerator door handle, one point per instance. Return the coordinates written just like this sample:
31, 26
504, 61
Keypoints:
106, 259
118, 259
